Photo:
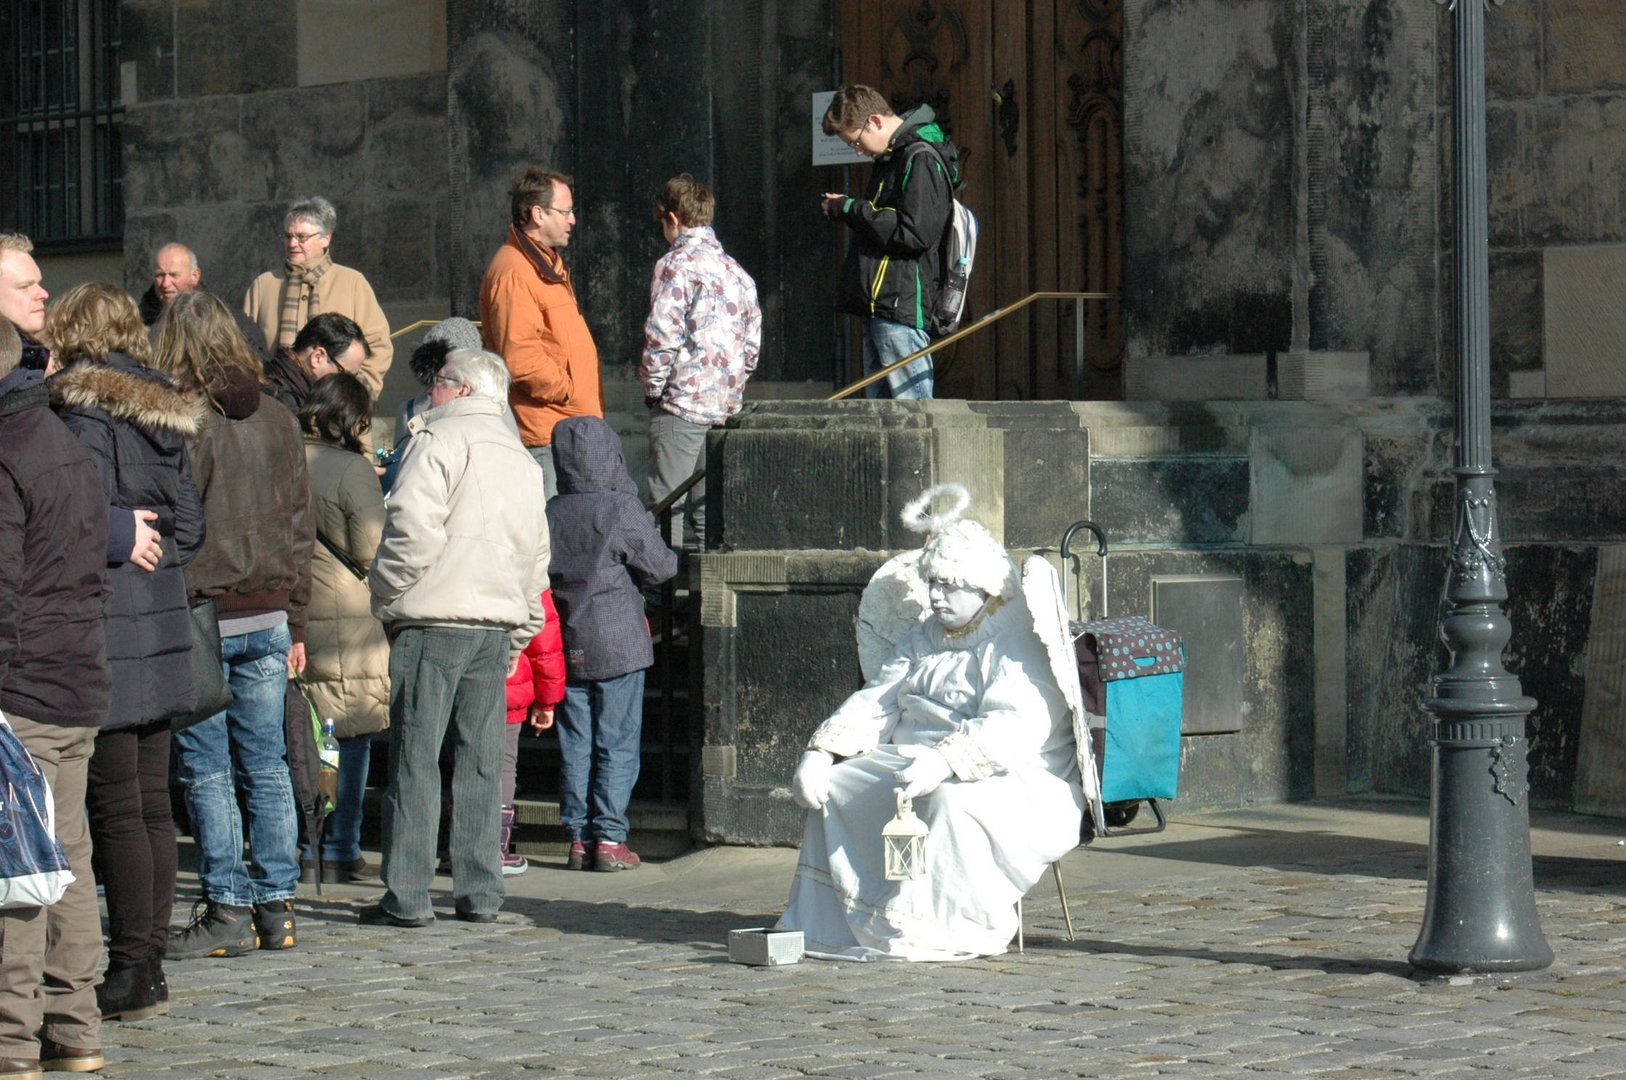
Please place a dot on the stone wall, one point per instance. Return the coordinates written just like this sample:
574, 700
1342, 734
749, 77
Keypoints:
235, 109
1330, 522
1290, 188
1557, 139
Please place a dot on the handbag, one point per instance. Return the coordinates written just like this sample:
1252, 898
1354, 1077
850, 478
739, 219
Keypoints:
33, 867
208, 677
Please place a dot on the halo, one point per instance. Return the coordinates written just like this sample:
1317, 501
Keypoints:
917, 516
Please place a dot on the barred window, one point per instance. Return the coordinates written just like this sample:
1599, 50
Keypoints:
61, 145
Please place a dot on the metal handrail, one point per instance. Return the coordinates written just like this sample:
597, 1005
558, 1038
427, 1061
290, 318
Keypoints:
987, 320
409, 327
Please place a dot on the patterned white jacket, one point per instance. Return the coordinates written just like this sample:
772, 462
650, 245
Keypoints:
704, 331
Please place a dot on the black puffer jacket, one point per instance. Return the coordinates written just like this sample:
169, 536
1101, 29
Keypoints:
53, 564
605, 549
135, 423
249, 463
895, 260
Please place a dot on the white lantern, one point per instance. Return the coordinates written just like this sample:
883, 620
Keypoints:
904, 841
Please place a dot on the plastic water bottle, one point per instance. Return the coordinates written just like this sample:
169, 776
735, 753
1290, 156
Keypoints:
328, 780
952, 297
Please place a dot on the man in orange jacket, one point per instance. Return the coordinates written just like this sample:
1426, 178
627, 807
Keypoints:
529, 316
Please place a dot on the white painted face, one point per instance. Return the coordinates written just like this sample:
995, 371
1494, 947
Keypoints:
955, 605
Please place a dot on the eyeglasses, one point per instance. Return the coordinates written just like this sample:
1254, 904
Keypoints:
301, 238
564, 212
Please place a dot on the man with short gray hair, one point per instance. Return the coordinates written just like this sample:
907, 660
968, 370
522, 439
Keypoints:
176, 270
458, 583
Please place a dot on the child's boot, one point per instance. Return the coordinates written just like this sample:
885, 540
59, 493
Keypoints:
512, 864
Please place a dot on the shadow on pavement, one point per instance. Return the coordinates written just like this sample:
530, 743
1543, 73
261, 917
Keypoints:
1332, 965
1324, 852
663, 926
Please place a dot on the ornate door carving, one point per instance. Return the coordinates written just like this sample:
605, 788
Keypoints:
1032, 93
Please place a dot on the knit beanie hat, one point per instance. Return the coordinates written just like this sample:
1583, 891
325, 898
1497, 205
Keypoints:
439, 340
959, 551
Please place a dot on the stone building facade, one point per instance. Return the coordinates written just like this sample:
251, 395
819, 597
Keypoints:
1287, 334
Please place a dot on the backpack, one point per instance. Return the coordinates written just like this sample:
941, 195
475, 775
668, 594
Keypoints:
956, 255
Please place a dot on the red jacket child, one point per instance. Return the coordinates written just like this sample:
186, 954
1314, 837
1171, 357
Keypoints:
540, 677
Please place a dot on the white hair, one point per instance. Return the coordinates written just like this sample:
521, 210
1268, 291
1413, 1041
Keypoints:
484, 373
959, 551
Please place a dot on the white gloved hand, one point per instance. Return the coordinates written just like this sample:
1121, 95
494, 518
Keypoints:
923, 775
811, 785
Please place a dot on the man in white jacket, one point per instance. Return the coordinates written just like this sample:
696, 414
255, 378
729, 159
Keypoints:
458, 583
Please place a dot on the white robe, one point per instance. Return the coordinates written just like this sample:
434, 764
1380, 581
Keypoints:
988, 703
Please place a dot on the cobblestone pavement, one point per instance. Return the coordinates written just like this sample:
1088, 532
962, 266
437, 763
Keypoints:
1262, 943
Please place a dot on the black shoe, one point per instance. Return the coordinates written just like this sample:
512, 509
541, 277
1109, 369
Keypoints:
477, 916
375, 915
308, 873
274, 923
127, 993
215, 930
356, 871
160, 985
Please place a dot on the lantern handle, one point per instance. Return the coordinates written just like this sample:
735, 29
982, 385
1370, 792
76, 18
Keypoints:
906, 805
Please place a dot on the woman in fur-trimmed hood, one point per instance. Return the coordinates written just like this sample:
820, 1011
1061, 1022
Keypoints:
136, 424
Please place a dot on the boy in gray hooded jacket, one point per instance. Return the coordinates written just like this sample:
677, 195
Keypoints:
605, 549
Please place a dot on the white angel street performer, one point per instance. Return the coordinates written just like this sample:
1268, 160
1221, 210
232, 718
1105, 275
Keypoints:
973, 715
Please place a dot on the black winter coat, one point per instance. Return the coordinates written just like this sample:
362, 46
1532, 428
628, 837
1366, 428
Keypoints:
895, 260
53, 564
136, 423
605, 549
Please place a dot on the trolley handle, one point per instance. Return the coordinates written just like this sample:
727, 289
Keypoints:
1068, 556
1067, 540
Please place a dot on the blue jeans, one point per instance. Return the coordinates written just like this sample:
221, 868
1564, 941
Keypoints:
341, 840
599, 724
887, 343
244, 742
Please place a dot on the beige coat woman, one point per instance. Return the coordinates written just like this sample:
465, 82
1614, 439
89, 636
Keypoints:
348, 665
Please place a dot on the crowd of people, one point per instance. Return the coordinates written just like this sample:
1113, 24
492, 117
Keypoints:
180, 475
177, 462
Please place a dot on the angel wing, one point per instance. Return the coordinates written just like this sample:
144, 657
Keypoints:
1042, 588
894, 603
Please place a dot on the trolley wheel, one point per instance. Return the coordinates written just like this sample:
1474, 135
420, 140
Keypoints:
1119, 814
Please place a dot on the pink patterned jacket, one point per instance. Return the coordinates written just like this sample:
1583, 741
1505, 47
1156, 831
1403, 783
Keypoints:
704, 330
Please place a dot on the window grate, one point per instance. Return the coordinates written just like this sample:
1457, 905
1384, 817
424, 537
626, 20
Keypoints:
61, 138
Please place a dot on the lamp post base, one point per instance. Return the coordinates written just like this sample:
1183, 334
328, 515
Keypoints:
1481, 910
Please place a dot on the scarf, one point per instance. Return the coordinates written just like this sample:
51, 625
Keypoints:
299, 290
538, 257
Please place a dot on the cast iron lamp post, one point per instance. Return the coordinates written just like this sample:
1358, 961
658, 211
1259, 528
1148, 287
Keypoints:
1481, 910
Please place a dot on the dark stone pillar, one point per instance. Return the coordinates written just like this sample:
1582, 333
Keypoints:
511, 103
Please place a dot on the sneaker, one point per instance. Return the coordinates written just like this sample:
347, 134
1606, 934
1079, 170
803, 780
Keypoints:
514, 864
375, 915
54, 1057
127, 993
274, 923
611, 857
580, 856
215, 930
